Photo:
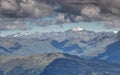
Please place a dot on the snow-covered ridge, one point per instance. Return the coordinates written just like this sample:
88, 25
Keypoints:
75, 32
78, 28
115, 32
27, 34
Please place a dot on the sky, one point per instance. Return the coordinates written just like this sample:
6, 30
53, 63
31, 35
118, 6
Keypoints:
105, 15
91, 26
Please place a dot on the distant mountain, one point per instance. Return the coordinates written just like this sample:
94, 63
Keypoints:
77, 29
71, 41
55, 64
112, 52
77, 41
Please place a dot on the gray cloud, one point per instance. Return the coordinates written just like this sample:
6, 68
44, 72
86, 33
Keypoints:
90, 11
37, 8
93, 9
23, 8
112, 24
12, 24
64, 10
14, 13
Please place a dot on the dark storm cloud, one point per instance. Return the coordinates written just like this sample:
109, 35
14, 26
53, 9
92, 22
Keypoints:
92, 10
37, 8
23, 8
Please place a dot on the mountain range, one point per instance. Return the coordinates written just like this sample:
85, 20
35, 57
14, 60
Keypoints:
112, 53
55, 64
54, 50
75, 41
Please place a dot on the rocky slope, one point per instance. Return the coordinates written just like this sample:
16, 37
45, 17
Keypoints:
112, 52
55, 64
76, 41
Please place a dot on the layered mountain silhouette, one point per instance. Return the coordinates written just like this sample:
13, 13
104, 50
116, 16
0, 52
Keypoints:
55, 64
74, 41
84, 43
112, 53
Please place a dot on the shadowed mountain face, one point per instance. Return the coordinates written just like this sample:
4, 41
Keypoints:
55, 64
32, 65
112, 53
60, 46
74, 67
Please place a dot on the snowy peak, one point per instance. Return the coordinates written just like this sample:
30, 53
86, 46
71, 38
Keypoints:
27, 35
115, 32
77, 29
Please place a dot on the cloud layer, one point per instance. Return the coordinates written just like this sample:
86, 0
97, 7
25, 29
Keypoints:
112, 24
66, 11
37, 8
12, 24
23, 8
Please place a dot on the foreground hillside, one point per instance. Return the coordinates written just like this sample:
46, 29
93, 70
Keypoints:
55, 64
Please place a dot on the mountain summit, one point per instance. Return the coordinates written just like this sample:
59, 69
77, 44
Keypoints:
78, 28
